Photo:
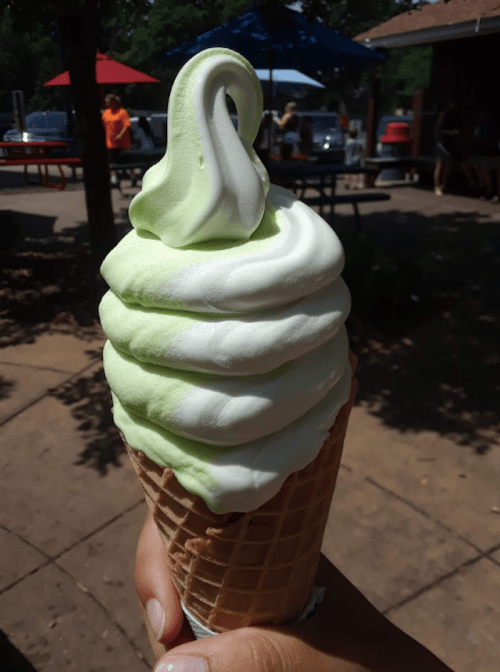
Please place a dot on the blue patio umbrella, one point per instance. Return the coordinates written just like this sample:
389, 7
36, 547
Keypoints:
288, 81
284, 39
285, 76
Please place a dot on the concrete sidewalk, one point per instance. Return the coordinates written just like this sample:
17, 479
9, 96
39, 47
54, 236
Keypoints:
415, 521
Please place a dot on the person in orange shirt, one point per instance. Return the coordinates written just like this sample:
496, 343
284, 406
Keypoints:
117, 130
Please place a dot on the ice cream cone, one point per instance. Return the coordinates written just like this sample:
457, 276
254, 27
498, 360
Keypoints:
256, 568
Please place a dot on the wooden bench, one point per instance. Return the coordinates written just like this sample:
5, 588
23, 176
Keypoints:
44, 177
353, 198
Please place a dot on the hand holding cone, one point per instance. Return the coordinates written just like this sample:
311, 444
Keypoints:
256, 568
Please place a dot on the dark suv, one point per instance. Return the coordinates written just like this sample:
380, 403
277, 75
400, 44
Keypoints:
328, 139
41, 127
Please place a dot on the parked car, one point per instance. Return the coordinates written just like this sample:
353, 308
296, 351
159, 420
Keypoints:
6, 122
328, 139
42, 127
158, 124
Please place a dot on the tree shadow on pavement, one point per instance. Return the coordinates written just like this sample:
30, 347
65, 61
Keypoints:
6, 387
90, 401
425, 322
49, 281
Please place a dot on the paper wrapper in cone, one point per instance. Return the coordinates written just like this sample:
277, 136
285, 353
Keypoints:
257, 568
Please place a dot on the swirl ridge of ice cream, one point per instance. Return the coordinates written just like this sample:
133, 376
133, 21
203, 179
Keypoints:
206, 188
227, 354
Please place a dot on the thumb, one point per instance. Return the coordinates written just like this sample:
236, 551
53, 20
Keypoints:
160, 605
250, 649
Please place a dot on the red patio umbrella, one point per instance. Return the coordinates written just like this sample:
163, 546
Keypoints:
108, 71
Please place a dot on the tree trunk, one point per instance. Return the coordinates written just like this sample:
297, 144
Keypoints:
78, 23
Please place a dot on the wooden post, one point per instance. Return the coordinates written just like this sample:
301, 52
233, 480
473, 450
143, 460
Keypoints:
417, 122
371, 120
373, 105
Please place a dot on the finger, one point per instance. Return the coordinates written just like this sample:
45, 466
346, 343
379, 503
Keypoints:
159, 601
166, 643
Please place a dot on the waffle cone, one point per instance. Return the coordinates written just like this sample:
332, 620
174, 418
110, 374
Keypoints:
256, 568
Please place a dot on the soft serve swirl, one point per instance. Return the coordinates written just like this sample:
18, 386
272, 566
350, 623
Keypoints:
227, 354
206, 188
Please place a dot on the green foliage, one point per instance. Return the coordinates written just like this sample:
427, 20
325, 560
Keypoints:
406, 70
28, 57
139, 32
141, 37
352, 17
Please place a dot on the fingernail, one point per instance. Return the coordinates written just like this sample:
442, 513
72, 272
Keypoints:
156, 617
182, 664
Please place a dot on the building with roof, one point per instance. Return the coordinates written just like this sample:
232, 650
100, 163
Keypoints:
464, 35
436, 22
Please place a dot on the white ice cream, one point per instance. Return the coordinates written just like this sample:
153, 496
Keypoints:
227, 353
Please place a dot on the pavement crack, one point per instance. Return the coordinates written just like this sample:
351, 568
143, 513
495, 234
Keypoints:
488, 554
31, 403
433, 584
76, 374
53, 369
48, 392
53, 560
36, 569
107, 613
96, 530
22, 578
424, 513
25, 541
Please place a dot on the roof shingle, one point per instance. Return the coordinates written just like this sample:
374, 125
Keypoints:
433, 16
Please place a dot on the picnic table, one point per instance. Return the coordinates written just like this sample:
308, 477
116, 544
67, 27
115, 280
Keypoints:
298, 174
376, 164
40, 154
303, 175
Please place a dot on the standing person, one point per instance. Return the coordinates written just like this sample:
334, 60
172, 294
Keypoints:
449, 147
144, 142
117, 130
264, 138
144, 136
446, 134
494, 164
289, 124
484, 150
306, 135
353, 157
